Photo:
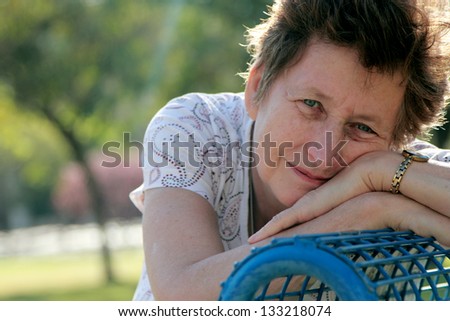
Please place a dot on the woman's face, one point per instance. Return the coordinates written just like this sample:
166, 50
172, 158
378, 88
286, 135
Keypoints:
318, 116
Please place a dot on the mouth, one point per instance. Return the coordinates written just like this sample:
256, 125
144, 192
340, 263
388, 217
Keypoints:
316, 180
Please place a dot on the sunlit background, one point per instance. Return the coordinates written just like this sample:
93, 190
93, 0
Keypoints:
74, 76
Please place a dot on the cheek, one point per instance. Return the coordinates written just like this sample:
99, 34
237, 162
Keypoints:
276, 147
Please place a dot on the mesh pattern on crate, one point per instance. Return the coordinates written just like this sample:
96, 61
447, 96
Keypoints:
391, 266
397, 265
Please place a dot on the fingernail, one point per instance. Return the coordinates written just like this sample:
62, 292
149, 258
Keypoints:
252, 239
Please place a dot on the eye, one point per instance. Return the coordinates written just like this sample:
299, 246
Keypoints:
364, 128
311, 103
359, 131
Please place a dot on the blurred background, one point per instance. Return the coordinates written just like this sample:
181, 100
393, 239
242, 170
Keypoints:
79, 75
76, 75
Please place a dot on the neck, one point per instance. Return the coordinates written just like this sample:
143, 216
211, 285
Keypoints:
264, 205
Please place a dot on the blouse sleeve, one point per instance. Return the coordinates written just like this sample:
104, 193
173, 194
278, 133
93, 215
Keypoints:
179, 149
428, 149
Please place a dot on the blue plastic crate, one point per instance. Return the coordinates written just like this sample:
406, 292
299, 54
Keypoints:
366, 265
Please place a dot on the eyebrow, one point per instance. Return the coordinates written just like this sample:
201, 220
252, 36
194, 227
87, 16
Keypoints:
368, 118
293, 91
319, 93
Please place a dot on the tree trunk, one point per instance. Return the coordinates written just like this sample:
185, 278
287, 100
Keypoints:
98, 202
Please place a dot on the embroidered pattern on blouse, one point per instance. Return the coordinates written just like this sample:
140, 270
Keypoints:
214, 124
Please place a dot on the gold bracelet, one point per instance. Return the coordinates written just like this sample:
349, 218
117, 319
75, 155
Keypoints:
409, 158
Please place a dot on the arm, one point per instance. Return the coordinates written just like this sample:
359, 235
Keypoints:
184, 254
185, 257
427, 184
378, 210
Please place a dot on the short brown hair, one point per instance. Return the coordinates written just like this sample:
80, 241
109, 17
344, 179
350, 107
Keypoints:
389, 35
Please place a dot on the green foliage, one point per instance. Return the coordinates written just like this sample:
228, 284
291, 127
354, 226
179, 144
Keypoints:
26, 171
77, 60
75, 74
28, 139
87, 60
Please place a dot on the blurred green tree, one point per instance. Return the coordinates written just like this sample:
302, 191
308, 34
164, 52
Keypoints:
82, 72
74, 63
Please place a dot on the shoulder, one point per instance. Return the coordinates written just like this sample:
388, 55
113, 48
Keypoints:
430, 150
208, 114
205, 107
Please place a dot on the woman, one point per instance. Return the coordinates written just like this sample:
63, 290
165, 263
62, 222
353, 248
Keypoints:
336, 89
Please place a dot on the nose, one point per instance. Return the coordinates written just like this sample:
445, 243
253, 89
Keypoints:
325, 150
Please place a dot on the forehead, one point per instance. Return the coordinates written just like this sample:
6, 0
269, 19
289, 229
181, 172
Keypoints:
339, 64
334, 76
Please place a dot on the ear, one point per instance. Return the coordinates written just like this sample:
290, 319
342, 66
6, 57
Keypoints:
251, 89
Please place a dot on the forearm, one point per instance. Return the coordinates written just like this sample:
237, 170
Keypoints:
201, 281
426, 183
377, 210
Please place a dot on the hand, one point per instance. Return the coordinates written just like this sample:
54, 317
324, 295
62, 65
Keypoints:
362, 176
377, 210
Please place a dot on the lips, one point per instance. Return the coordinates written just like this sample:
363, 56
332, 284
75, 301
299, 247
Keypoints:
308, 176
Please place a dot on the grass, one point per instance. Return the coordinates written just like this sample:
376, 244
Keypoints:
75, 277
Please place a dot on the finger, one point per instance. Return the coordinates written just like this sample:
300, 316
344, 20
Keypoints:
278, 223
